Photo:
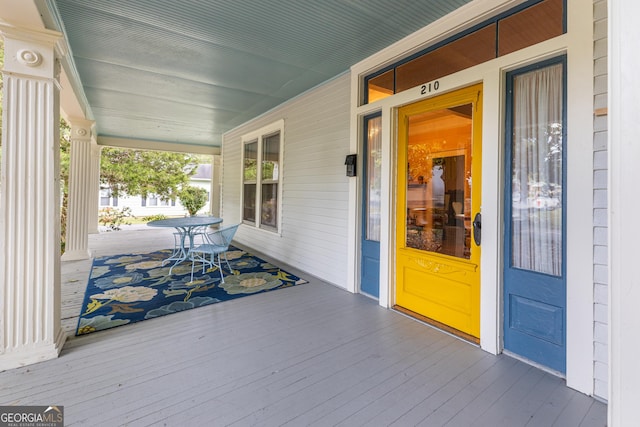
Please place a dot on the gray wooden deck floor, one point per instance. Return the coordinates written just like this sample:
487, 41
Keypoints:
308, 355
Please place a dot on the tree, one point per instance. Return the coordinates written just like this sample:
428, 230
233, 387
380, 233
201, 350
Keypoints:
141, 173
193, 198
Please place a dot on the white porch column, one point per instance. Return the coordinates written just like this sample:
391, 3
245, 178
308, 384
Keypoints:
30, 328
214, 200
624, 205
78, 208
94, 185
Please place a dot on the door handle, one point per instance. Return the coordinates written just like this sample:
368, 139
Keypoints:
477, 228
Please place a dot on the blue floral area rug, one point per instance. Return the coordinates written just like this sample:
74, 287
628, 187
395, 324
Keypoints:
129, 288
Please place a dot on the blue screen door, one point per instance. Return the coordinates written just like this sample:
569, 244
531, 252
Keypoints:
370, 242
534, 261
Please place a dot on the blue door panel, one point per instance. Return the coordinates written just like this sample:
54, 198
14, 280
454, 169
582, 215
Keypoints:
536, 318
370, 281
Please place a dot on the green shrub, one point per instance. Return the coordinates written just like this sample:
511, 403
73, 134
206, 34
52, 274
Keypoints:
193, 199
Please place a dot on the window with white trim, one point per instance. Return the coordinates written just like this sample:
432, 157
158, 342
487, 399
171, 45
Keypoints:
261, 177
107, 199
153, 200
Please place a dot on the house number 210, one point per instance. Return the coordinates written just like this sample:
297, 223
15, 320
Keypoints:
429, 87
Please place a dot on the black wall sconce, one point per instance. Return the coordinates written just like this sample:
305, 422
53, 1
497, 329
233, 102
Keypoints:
350, 161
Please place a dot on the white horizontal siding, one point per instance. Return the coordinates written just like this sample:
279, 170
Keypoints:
313, 234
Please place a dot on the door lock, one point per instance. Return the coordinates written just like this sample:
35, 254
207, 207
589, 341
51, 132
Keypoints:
477, 228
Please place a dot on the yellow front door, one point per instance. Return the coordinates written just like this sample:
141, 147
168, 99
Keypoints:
438, 188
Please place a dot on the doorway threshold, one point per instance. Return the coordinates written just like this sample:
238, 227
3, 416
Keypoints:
441, 326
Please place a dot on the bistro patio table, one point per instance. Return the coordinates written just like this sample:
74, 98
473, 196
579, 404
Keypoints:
187, 227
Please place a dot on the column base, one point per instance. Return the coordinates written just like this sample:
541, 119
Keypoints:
29, 355
75, 255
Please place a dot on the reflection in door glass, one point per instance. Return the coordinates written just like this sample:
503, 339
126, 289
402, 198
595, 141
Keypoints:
439, 182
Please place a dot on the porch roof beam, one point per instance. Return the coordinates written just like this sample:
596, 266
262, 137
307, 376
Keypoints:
142, 144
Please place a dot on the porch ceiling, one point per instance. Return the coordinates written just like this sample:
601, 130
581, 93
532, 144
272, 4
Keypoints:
187, 71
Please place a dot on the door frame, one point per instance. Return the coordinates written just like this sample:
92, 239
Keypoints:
507, 213
491, 201
363, 208
468, 94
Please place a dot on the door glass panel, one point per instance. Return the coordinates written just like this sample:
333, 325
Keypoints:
460, 54
380, 86
439, 181
536, 171
503, 34
535, 24
374, 166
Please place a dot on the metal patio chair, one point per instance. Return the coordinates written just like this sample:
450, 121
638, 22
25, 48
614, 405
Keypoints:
181, 243
215, 245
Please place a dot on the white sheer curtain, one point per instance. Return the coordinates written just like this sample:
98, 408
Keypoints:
374, 165
536, 232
